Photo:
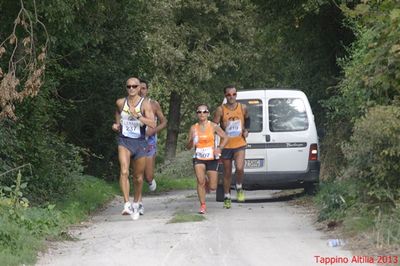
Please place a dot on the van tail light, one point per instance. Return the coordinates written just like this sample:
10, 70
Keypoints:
313, 155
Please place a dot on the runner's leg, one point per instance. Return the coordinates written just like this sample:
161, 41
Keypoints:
138, 172
212, 179
239, 157
227, 175
124, 156
200, 170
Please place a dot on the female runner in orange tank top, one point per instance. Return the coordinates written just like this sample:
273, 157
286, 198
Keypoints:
202, 138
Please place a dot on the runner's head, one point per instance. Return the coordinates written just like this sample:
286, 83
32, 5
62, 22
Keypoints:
230, 94
133, 86
144, 88
202, 111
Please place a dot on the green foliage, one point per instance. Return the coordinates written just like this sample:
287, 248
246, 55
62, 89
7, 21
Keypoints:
17, 245
182, 217
12, 196
371, 69
165, 183
179, 167
373, 153
387, 229
53, 161
91, 194
335, 198
23, 230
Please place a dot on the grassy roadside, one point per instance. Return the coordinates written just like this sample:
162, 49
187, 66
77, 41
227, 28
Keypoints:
370, 229
366, 229
24, 230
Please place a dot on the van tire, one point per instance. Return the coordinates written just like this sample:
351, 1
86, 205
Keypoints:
310, 188
220, 193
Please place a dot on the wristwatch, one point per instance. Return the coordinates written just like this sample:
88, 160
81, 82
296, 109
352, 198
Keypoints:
139, 115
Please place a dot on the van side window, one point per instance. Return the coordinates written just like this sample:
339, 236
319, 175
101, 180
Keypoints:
287, 114
255, 110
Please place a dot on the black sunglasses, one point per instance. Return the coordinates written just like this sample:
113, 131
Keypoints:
202, 112
132, 86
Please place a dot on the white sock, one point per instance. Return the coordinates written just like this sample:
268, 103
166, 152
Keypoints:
228, 195
238, 186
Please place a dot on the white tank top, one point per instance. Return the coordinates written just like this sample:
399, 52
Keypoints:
131, 126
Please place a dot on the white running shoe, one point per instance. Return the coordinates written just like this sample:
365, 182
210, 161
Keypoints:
152, 185
141, 208
135, 211
127, 209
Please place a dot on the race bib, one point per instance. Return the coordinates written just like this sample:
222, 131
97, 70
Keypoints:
234, 128
131, 128
205, 153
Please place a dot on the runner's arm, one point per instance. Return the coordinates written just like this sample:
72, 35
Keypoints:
217, 115
160, 117
246, 121
223, 140
189, 144
148, 117
117, 123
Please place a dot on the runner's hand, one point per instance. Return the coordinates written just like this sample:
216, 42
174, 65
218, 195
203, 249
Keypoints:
116, 127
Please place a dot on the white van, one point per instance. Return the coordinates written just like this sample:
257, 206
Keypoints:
282, 146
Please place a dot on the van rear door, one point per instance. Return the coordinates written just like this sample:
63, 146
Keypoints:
288, 116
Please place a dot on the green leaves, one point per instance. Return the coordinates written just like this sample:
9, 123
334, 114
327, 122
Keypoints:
373, 152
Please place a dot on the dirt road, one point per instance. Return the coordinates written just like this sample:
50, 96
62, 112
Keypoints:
262, 231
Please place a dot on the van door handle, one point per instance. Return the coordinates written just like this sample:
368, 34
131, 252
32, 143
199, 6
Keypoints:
268, 138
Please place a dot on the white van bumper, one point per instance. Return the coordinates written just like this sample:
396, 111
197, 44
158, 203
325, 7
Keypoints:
281, 180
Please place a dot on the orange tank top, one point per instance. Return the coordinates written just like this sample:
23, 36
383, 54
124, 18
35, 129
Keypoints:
205, 142
232, 123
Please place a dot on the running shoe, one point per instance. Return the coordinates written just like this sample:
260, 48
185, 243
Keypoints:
141, 208
152, 185
127, 209
227, 203
240, 195
203, 208
135, 211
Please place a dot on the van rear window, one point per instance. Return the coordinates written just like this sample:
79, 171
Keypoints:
254, 108
287, 114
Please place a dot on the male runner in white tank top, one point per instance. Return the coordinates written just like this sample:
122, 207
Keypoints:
132, 115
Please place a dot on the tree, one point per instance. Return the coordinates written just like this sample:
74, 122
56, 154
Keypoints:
191, 43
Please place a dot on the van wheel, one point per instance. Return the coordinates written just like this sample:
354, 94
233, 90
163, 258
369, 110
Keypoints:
220, 193
310, 189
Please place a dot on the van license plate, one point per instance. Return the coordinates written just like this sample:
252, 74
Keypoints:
254, 163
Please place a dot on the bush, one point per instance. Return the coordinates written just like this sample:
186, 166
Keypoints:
179, 167
335, 198
53, 164
373, 153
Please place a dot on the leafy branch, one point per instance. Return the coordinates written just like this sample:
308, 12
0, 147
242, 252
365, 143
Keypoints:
26, 61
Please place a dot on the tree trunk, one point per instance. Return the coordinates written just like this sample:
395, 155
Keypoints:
174, 121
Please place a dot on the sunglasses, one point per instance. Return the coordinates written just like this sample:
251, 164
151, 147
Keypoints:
202, 112
231, 94
132, 86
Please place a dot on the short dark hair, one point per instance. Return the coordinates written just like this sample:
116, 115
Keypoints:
144, 81
229, 87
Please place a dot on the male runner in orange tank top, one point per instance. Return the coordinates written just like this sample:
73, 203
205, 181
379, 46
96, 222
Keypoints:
234, 119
